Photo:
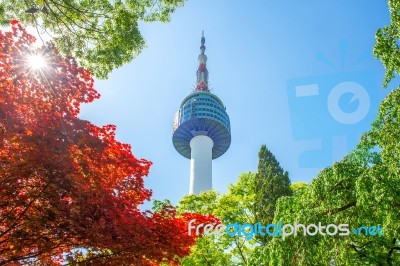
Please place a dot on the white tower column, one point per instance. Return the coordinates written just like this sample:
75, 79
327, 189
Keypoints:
200, 164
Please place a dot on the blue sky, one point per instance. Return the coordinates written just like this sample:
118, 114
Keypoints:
298, 76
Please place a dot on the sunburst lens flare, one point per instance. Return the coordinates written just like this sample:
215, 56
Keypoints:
36, 61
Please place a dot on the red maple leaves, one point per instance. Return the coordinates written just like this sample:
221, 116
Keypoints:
64, 182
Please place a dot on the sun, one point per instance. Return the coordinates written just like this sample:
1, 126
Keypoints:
36, 61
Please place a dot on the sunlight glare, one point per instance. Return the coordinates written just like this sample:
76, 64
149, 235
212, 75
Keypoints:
36, 61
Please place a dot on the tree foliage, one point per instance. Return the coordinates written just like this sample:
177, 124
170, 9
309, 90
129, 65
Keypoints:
386, 46
209, 250
234, 206
354, 192
271, 183
66, 185
250, 200
101, 34
298, 186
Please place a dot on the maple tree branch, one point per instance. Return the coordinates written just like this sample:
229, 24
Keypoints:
338, 184
340, 209
81, 11
73, 20
62, 21
362, 254
101, 256
12, 226
240, 250
30, 255
37, 30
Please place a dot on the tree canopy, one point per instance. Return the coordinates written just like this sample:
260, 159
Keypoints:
100, 34
250, 200
68, 187
271, 183
386, 46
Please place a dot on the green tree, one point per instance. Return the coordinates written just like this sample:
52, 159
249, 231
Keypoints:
386, 46
354, 192
159, 205
101, 34
209, 250
271, 183
234, 206
297, 186
250, 200
237, 205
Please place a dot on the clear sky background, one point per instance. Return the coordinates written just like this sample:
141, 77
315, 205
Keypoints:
260, 53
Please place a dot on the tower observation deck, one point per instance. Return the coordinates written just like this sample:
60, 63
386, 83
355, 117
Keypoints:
201, 130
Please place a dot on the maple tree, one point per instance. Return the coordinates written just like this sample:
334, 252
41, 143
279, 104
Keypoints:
69, 191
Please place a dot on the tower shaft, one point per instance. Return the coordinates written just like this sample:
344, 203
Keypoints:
200, 164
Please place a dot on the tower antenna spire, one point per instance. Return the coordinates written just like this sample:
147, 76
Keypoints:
202, 72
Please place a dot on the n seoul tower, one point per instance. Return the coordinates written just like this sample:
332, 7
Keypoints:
201, 130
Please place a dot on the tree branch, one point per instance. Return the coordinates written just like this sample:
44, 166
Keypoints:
340, 209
